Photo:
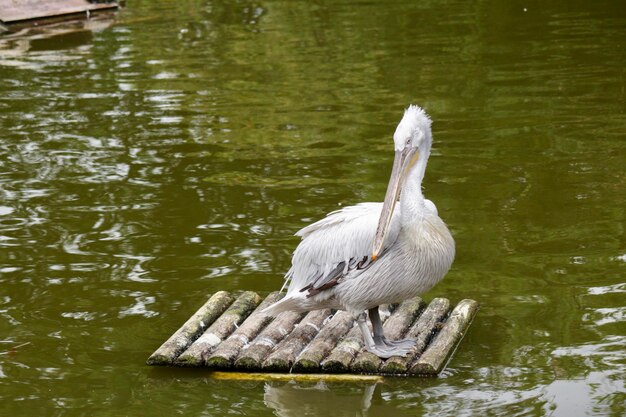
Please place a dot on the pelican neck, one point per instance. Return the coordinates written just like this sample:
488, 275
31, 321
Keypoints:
411, 198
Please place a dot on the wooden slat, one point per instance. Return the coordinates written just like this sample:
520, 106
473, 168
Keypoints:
225, 354
192, 329
12, 11
266, 376
252, 357
339, 359
311, 357
423, 330
284, 356
434, 358
200, 350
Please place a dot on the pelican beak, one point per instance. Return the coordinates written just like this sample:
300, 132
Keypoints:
402, 162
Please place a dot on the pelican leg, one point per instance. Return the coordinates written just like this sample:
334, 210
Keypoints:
379, 335
361, 320
381, 350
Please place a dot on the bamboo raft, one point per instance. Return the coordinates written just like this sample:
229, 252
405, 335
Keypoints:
231, 334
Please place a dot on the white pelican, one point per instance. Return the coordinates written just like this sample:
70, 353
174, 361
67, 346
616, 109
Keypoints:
335, 265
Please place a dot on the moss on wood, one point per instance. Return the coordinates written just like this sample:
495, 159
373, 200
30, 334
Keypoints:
192, 329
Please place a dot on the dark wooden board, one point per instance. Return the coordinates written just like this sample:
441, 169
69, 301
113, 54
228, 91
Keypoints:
17, 11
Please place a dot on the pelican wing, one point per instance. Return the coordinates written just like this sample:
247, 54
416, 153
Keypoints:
335, 246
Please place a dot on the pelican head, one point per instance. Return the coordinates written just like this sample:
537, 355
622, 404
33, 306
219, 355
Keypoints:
412, 137
413, 129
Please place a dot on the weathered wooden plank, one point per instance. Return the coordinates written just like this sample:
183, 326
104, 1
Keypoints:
343, 354
394, 328
12, 11
200, 350
434, 358
253, 355
267, 376
311, 357
422, 330
283, 357
226, 352
192, 329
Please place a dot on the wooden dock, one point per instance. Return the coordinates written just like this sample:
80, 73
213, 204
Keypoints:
21, 13
231, 334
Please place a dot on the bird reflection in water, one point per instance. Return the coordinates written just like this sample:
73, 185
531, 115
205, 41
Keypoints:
321, 399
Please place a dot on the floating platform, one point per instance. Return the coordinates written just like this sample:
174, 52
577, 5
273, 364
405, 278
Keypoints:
231, 334
20, 13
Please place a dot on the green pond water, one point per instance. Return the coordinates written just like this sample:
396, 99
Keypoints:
151, 160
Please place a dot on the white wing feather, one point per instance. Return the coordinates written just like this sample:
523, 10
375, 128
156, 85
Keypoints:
342, 236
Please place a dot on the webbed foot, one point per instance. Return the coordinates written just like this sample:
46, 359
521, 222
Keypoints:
409, 343
389, 349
